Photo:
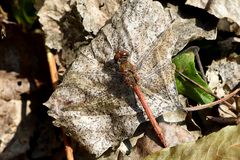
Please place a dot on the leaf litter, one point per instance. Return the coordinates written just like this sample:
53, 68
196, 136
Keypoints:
145, 145
95, 108
223, 77
223, 9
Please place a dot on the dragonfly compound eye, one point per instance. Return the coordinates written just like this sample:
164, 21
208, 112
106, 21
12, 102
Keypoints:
120, 55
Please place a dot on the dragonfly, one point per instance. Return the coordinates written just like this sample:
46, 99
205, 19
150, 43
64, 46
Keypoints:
102, 83
95, 103
131, 79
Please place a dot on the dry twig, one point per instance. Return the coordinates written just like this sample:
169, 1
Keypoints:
200, 107
195, 50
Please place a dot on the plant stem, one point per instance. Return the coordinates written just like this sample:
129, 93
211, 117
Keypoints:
68, 148
200, 107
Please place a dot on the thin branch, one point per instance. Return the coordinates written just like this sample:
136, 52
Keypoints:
52, 69
68, 148
206, 90
195, 51
200, 107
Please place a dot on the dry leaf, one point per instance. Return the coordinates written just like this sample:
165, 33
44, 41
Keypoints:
10, 114
223, 76
223, 144
11, 86
60, 18
93, 105
14, 136
221, 9
223, 73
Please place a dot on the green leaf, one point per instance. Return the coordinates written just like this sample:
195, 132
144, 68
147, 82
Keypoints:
24, 12
224, 144
185, 63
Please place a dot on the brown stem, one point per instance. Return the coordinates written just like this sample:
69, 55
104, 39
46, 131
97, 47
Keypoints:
199, 64
200, 107
150, 115
68, 148
53, 69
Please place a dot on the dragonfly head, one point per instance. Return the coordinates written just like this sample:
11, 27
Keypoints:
121, 56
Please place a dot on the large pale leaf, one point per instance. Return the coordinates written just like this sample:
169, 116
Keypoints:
93, 105
224, 144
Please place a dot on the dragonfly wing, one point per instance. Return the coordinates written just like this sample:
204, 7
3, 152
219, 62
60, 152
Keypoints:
157, 76
95, 105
